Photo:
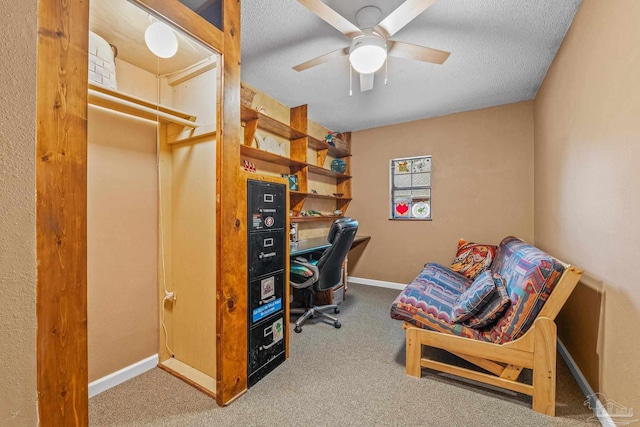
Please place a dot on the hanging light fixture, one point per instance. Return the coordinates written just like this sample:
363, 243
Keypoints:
368, 52
161, 40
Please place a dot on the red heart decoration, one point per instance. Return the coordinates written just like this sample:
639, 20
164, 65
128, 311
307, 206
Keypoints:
402, 208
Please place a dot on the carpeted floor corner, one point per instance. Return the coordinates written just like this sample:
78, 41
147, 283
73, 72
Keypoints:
353, 376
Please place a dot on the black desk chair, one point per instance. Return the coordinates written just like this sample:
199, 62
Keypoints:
324, 275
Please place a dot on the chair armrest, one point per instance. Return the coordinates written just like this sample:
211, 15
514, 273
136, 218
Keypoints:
311, 280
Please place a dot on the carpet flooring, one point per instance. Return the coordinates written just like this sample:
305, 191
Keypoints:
353, 376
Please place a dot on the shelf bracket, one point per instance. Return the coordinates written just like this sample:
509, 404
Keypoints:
250, 131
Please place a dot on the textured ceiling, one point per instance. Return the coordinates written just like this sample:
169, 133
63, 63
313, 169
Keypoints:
500, 53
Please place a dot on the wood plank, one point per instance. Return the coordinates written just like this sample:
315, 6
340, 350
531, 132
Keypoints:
487, 365
317, 196
544, 369
321, 157
191, 72
477, 376
511, 372
231, 259
298, 118
318, 144
61, 213
486, 350
188, 20
255, 153
563, 289
140, 102
327, 172
315, 218
269, 124
192, 376
200, 134
250, 131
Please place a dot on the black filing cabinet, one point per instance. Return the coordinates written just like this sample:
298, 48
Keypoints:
267, 240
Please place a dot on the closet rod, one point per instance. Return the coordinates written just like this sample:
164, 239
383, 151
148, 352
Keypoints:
95, 95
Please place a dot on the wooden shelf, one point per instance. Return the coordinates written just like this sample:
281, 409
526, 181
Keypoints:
317, 196
314, 218
113, 100
270, 125
193, 135
278, 128
255, 153
327, 172
317, 144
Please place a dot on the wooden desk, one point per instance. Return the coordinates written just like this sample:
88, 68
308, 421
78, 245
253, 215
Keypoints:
302, 247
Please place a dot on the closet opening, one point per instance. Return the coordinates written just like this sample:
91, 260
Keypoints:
151, 180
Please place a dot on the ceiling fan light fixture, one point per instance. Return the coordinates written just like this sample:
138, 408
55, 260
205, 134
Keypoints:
368, 53
161, 40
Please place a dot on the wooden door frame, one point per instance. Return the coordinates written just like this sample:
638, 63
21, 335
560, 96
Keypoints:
61, 205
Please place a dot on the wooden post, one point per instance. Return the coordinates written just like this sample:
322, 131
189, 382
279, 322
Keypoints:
231, 295
544, 367
414, 350
61, 221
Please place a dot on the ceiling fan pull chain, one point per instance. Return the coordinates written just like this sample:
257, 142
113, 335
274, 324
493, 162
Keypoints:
386, 71
350, 80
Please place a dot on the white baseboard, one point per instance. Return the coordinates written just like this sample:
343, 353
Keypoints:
124, 374
378, 283
586, 389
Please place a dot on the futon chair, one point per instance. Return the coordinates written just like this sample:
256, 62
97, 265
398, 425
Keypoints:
326, 274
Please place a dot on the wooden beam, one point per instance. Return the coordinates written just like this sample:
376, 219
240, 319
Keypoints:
478, 376
191, 72
231, 294
188, 20
61, 221
511, 372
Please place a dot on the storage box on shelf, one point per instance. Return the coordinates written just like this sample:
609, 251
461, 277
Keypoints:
308, 156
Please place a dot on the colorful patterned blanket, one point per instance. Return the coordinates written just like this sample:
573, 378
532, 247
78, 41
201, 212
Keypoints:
530, 276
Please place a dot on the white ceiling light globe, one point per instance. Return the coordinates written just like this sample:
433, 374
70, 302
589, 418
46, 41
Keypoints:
161, 40
368, 53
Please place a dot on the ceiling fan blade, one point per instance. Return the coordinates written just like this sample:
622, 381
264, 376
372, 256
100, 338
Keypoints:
418, 53
366, 82
404, 14
331, 17
322, 59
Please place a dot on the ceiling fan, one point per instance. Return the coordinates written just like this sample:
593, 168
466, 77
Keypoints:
370, 43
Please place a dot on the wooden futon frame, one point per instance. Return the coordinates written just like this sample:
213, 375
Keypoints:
536, 350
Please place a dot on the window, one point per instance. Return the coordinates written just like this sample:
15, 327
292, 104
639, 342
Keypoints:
410, 188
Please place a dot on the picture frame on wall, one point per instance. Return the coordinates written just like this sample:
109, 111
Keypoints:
410, 188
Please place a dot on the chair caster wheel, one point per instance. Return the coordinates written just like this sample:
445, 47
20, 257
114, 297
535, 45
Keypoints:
337, 325
297, 329
336, 310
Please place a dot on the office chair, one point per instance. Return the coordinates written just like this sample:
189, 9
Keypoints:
324, 275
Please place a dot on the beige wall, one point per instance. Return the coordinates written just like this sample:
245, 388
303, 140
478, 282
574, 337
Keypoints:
482, 188
587, 146
121, 241
18, 400
122, 238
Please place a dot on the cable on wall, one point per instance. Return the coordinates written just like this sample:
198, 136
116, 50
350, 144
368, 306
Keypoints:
168, 296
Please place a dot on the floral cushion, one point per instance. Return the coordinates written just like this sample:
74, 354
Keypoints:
471, 301
473, 258
494, 308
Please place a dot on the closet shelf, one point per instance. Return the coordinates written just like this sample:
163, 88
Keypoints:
123, 103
